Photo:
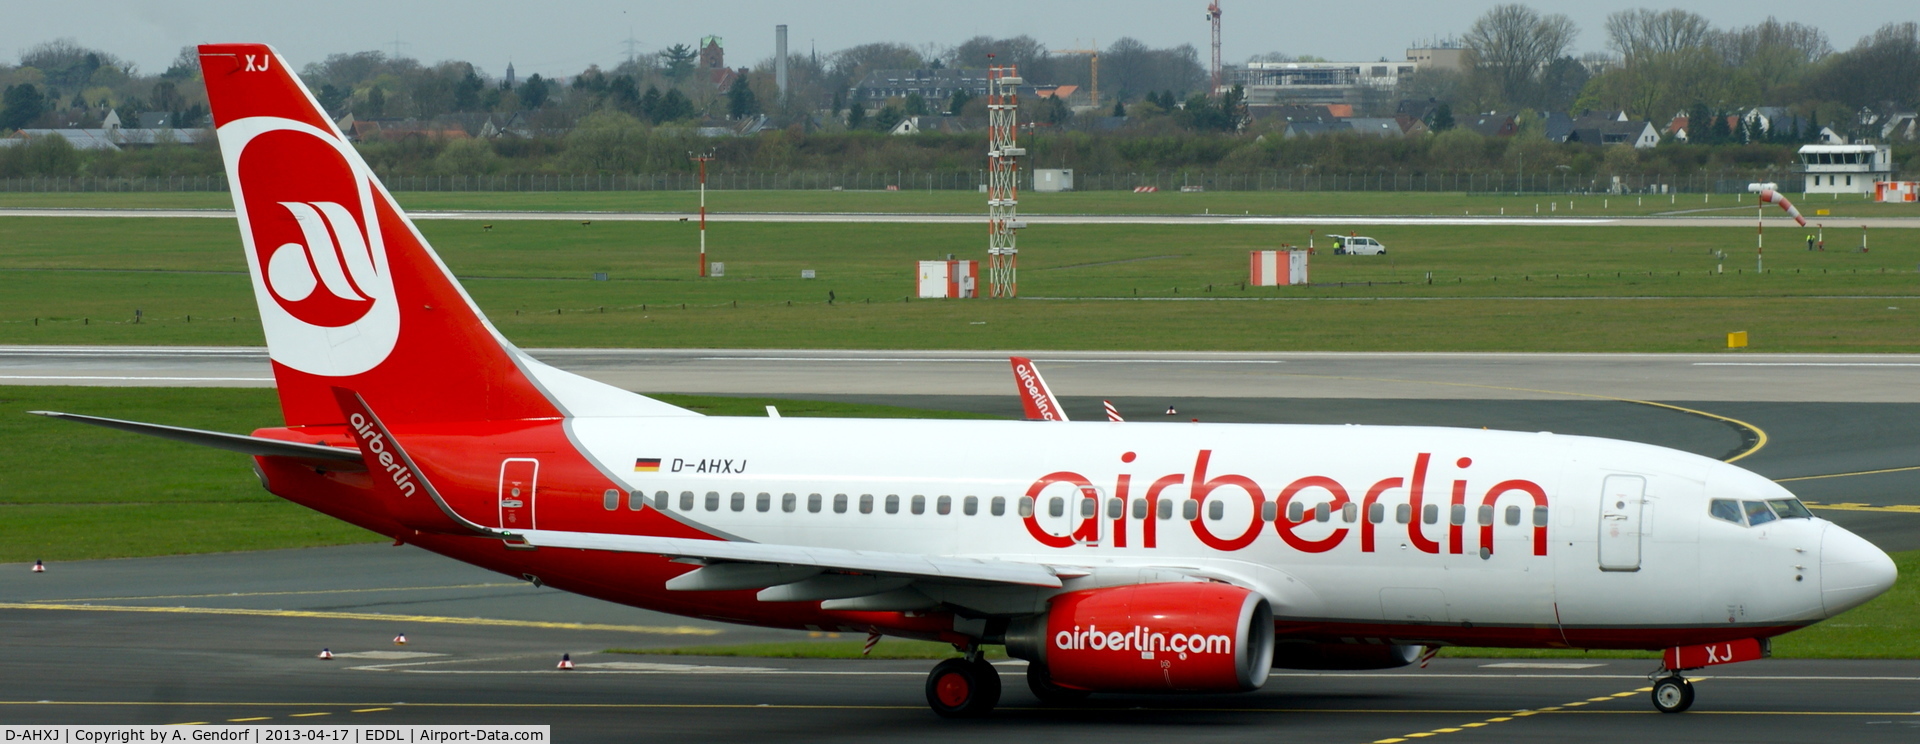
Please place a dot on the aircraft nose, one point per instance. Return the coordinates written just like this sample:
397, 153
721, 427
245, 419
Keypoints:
1852, 570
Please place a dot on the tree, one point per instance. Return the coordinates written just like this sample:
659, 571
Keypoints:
1056, 111
376, 103
856, 116
466, 93
916, 104
1441, 119
466, 157
1509, 46
534, 92
887, 117
185, 65
674, 106
650, 104
1879, 73
20, 105
607, 141
331, 98
1119, 109
955, 105
679, 59
740, 100
1644, 33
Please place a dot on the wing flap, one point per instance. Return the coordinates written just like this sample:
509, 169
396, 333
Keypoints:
944, 568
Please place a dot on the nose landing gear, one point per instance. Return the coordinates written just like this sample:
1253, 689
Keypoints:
967, 687
1672, 694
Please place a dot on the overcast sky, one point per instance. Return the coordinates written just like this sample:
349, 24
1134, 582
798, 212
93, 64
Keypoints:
562, 37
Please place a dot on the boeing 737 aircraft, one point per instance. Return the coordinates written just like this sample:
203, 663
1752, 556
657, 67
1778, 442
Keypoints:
1136, 557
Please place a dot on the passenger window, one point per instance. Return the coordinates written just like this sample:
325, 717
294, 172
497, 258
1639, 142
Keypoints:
1166, 508
1056, 507
713, 501
919, 504
1190, 510
763, 502
1458, 514
970, 505
738, 501
610, 499
1726, 510
636, 500
893, 503
1539, 516
661, 499
1116, 508
1431, 514
1139, 508
998, 506
1217, 510
943, 505
1376, 513
1269, 511
1322, 512
1087, 507
686, 501
1513, 516
1349, 512
1403, 513
789, 502
866, 503
1486, 514
839, 503
1757, 512
1025, 506
813, 504
1296, 512
1790, 509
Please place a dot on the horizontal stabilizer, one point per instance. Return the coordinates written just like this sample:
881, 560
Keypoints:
241, 443
835, 559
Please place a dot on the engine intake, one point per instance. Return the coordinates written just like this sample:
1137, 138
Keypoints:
1171, 637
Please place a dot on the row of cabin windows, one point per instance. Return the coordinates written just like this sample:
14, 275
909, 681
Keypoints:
1057, 507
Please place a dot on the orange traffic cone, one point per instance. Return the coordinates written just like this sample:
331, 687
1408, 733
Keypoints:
566, 662
39, 567
400, 640
325, 654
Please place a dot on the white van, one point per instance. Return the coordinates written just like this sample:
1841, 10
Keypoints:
1357, 246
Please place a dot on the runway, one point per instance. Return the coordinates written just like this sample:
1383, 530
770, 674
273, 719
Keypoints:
1032, 220
233, 638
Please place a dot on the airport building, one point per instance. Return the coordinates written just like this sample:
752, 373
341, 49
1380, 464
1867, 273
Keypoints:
1845, 169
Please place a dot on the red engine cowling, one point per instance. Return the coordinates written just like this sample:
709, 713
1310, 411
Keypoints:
1172, 637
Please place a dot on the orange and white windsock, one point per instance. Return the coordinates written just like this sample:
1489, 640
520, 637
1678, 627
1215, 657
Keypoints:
1769, 196
1035, 396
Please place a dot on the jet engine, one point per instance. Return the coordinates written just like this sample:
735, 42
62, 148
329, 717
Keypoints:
1168, 637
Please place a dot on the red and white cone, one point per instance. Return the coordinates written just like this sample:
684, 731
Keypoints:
400, 640
39, 567
566, 662
873, 637
325, 655
1171, 412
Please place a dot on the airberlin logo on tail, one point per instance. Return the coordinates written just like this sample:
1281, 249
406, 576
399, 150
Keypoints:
376, 446
311, 218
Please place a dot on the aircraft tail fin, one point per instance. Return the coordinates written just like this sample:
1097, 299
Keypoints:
350, 293
1035, 397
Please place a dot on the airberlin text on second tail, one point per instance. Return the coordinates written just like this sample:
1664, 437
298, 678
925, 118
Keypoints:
1321, 497
376, 443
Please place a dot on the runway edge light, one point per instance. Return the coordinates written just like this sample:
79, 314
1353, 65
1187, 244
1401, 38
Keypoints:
566, 662
326, 654
39, 567
400, 640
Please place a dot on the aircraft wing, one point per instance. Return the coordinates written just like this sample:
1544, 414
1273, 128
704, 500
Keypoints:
346, 459
905, 565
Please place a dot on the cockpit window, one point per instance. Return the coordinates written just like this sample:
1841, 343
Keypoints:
1726, 509
1790, 509
1758, 513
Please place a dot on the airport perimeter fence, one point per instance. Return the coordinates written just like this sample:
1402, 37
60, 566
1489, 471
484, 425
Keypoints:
1471, 182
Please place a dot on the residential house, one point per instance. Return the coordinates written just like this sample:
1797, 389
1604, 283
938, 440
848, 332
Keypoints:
931, 84
1375, 127
1491, 124
1614, 128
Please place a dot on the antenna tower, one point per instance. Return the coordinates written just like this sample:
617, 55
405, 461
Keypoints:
1003, 178
1213, 17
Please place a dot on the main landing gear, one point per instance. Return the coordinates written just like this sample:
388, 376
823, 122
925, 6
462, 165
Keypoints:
1672, 693
967, 687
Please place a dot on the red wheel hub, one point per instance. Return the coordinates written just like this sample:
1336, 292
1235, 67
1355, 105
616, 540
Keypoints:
953, 689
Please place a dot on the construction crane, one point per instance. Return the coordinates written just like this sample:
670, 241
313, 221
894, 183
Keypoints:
1213, 17
1093, 53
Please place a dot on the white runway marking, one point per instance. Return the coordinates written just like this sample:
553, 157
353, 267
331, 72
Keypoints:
1805, 364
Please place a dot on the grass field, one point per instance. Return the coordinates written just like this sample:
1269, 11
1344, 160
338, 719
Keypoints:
1082, 202
73, 492
79, 281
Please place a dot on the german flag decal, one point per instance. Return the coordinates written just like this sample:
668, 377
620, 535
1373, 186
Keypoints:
646, 465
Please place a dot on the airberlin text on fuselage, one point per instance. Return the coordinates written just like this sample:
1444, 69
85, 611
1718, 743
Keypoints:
377, 444
1452, 507
1141, 639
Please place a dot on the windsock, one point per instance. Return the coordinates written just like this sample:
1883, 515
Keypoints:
326, 654
566, 662
1770, 196
39, 567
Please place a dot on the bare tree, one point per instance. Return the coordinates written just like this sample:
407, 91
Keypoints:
1509, 46
1881, 72
1643, 32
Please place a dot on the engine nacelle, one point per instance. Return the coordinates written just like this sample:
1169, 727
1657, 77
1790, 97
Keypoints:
1341, 656
1172, 637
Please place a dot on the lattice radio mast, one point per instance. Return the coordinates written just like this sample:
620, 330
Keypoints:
1213, 17
1003, 178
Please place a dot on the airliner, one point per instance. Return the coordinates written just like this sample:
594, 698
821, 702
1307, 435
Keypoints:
1136, 557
